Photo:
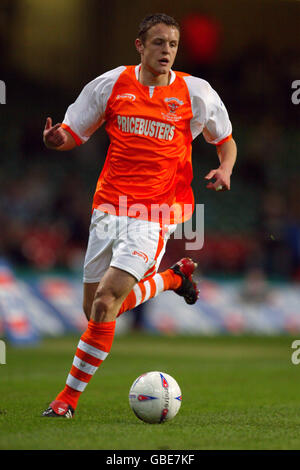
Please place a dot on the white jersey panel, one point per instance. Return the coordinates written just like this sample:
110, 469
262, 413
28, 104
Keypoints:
209, 113
86, 114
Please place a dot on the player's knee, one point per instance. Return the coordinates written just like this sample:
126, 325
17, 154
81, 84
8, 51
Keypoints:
104, 306
87, 308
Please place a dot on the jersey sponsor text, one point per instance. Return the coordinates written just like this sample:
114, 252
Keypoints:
146, 127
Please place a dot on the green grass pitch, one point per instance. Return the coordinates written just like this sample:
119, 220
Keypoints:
238, 393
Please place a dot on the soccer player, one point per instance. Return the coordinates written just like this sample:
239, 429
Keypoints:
152, 114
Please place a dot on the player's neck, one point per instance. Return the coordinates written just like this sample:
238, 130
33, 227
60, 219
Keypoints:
148, 78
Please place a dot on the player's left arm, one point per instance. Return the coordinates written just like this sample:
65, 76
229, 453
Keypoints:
227, 152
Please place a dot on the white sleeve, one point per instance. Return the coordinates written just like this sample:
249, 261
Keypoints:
209, 113
87, 113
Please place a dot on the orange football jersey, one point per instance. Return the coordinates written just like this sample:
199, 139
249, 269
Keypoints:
148, 168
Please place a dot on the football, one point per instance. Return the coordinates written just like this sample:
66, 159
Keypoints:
155, 397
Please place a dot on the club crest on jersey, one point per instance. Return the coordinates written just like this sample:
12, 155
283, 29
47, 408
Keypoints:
173, 104
126, 96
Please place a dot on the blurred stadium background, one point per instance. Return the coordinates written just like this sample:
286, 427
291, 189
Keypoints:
249, 267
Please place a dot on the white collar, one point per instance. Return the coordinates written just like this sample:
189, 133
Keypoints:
137, 69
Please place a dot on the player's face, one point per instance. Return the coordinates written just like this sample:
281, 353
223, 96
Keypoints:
160, 48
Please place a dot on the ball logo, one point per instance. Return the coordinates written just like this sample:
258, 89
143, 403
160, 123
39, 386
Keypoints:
163, 381
143, 375
163, 414
145, 397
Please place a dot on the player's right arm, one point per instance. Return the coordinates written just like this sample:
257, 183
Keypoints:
84, 116
57, 138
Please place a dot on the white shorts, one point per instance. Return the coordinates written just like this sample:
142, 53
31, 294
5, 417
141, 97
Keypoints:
133, 245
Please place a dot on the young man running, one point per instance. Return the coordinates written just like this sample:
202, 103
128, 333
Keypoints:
152, 114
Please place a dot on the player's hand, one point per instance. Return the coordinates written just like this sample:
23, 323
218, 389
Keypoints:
222, 180
53, 136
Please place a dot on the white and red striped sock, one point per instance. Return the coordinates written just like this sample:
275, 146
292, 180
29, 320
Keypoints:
92, 350
149, 288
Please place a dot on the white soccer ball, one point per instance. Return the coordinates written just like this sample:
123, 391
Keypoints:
155, 397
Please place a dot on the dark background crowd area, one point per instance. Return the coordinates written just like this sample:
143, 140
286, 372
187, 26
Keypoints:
46, 196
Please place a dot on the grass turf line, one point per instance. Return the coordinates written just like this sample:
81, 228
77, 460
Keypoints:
238, 393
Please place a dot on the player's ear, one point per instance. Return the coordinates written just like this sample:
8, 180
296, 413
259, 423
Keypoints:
139, 46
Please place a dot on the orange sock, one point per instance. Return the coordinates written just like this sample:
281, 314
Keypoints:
149, 288
93, 348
